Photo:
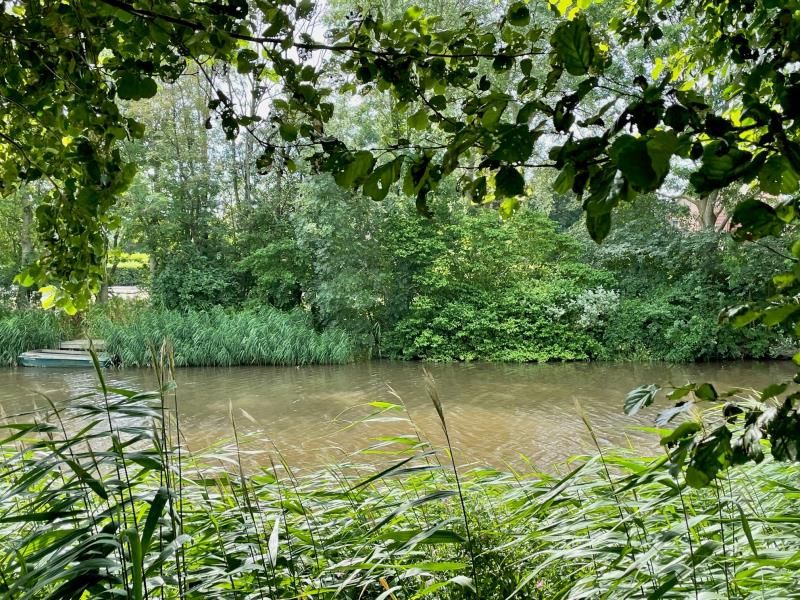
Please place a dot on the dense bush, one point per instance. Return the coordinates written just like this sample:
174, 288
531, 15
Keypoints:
673, 283
499, 290
464, 284
221, 338
190, 279
524, 323
665, 327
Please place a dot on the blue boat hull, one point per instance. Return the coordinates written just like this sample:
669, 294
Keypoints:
60, 359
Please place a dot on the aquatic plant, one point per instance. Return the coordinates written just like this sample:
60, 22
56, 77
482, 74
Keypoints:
221, 338
23, 330
97, 499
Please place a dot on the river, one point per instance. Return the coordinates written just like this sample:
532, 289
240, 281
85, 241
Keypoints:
498, 414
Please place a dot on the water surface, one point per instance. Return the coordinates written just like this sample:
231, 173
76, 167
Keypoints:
498, 415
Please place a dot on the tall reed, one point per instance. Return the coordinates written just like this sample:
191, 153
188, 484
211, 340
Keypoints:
220, 338
24, 330
94, 502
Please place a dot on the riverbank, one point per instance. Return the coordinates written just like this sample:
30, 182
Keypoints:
146, 521
197, 338
268, 336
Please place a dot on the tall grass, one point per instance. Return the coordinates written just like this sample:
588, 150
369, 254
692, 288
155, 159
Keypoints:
92, 502
25, 330
220, 338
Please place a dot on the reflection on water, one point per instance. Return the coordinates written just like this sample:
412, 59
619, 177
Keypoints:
497, 414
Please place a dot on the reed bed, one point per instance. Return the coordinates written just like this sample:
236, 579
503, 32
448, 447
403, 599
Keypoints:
220, 338
25, 330
97, 500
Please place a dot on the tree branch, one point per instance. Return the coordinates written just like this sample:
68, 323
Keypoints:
152, 15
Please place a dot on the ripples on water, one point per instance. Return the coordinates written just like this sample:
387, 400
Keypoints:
497, 414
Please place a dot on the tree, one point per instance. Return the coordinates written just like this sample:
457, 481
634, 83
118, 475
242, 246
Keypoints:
434, 77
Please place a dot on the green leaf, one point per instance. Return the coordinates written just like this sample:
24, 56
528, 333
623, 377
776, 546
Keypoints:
677, 117
706, 391
773, 390
153, 516
508, 207
432, 536
514, 143
778, 314
783, 432
84, 476
389, 471
25, 279
353, 172
747, 531
661, 146
518, 14
288, 132
136, 591
680, 392
508, 182
598, 225
573, 46
778, 177
711, 455
492, 113
755, 219
245, 59
722, 165
133, 86
381, 180
683, 431
643, 161
419, 120
783, 280
566, 177
638, 398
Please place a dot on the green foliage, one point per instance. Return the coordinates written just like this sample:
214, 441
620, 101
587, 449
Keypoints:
191, 280
273, 268
495, 289
341, 234
735, 429
23, 330
470, 84
673, 285
218, 338
96, 500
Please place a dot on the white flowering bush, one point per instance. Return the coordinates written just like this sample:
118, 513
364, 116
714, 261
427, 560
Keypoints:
594, 306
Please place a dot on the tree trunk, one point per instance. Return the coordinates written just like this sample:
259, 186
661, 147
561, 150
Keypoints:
708, 215
26, 247
102, 296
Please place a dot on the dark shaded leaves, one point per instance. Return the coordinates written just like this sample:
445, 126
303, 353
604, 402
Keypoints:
509, 182
711, 455
573, 46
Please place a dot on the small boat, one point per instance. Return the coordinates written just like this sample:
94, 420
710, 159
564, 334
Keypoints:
62, 358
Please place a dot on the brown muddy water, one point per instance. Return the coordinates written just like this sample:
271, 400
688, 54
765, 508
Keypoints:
498, 415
